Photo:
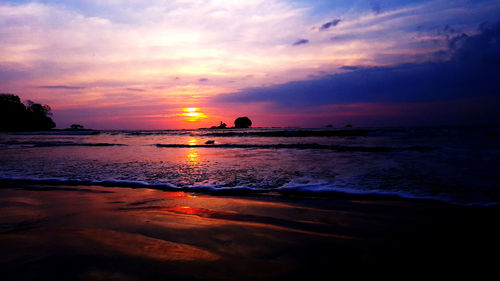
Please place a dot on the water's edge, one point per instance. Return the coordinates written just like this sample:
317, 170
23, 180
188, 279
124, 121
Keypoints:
302, 192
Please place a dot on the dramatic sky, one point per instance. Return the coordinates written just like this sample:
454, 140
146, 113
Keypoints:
158, 64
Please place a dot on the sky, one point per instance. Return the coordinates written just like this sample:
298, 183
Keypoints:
130, 64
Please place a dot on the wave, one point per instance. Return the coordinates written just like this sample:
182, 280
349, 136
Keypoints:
361, 132
58, 143
152, 133
339, 148
458, 131
293, 133
291, 190
58, 132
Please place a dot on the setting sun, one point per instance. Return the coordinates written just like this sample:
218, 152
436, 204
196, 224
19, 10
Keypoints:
192, 114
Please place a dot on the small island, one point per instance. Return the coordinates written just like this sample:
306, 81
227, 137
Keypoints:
239, 123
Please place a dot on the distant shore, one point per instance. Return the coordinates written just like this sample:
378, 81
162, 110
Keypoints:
96, 233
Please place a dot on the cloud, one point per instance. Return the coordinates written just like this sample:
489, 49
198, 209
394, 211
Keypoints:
376, 6
300, 42
61, 87
329, 24
203, 80
471, 72
350, 67
135, 90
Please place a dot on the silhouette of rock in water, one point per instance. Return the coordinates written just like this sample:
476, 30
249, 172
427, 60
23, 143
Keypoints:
242, 122
76, 127
221, 126
15, 116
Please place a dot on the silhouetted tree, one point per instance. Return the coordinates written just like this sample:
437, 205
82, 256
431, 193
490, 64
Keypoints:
242, 122
15, 116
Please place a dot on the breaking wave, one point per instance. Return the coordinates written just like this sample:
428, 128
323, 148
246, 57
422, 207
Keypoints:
338, 148
57, 143
301, 190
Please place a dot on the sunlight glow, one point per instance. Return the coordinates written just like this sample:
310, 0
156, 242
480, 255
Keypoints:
192, 114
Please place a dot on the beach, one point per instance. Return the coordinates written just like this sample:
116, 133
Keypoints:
76, 232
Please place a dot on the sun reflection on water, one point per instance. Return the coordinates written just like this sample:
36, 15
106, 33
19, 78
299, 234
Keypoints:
192, 141
192, 155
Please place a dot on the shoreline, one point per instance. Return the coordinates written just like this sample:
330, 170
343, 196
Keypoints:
108, 233
288, 192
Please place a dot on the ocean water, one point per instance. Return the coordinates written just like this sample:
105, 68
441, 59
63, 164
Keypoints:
457, 165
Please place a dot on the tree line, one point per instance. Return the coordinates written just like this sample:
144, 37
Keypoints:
18, 116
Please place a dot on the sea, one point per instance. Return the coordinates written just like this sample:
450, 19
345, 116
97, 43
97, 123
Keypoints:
458, 165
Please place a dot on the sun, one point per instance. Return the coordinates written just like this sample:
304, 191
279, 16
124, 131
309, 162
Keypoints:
192, 114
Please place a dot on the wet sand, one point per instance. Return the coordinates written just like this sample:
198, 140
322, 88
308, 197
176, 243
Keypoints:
106, 233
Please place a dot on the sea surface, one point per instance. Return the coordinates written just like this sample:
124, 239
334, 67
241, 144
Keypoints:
460, 165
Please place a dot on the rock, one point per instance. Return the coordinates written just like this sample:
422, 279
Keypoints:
76, 127
221, 126
242, 122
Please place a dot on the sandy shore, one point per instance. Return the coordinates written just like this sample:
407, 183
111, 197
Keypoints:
106, 233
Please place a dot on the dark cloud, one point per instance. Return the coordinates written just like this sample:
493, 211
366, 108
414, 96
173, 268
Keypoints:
329, 24
350, 67
61, 87
8, 74
300, 42
456, 41
471, 72
376, 6
448, 29
202, 80
135, 89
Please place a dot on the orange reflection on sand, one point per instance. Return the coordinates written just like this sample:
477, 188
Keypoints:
145, 246
179, 194
234, 218
186, 210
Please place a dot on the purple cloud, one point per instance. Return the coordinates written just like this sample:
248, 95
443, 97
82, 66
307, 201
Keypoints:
329, 24
471, 73
61, 87
350, 67
300, 42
